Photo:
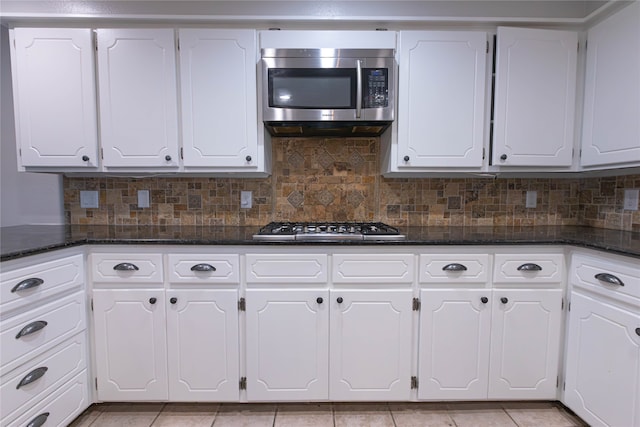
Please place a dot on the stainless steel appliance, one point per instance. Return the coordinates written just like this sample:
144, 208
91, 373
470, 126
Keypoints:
330, 231
328, 91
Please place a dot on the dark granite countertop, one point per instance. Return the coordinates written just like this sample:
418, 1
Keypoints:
19, 241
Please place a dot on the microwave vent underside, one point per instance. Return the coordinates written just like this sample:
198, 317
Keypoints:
343, 129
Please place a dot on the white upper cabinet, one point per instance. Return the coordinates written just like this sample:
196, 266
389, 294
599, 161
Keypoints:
611, 125
441, 99
219, 98
138, 98
535, 97
54, 97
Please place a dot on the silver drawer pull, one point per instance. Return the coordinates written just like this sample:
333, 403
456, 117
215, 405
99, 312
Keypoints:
203, 267
529, 267
454, 267
32, 376
125, 266
31, 328
609, 278
29, 283
39, 420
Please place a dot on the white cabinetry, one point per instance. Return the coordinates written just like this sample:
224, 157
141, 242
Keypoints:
130, 344
178, 344
43, 340
611, 129
306, 342
441, 99
138, 98
287, 344
54, 98
219, 99
603, 346
535, 97
477, 342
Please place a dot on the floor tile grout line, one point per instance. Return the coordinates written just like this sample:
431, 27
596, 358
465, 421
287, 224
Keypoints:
158, 414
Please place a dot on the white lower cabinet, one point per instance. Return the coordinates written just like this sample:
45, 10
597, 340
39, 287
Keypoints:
182, 346
370, 345
483, 343
287, 344
202, 345
130, 344
454, 344
603, 363
525, 343
307, 344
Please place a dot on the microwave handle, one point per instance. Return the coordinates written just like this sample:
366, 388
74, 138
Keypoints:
358, 88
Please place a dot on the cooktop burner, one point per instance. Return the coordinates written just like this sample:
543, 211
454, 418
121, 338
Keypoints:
327, 231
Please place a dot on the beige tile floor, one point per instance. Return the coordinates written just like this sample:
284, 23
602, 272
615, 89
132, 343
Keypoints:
481, 414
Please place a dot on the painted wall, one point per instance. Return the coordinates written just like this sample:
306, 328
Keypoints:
25, 198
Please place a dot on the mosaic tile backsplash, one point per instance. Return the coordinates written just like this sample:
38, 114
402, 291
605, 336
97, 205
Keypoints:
339, 180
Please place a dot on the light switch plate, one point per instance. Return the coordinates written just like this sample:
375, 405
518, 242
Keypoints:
631, 199
531, 201
143, 198
89, 199
246, 199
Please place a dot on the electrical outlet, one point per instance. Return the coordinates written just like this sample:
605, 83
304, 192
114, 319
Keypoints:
631, 199
531, 201
143, 198
246, 199
89, 199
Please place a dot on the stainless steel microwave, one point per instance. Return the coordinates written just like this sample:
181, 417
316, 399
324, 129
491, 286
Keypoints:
328, 88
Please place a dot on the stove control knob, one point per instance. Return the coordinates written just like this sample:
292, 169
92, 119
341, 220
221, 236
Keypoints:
319, 300
339, 299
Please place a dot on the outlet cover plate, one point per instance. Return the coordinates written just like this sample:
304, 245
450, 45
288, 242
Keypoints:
531, 201
89, 199
631, 199
143, 198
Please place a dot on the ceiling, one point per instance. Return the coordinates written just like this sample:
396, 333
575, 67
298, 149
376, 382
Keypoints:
576, 12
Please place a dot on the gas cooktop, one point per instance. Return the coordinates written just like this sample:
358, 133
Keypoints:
328, 231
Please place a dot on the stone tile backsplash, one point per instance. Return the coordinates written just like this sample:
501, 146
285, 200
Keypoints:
318, 179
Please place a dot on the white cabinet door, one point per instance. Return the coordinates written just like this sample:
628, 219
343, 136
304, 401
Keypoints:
525, 344
202, 341
287, 344
370, 342
138, 98
535, 96
610, 128
54, 97
453, 358
603, 363
219, 98
130, 344
441, 99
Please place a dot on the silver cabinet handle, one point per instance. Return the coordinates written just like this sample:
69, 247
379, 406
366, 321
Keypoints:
32, 376
29, 283
31, 328
454, 267
125, 266
203, 267
609, 278
39, 420
529, 267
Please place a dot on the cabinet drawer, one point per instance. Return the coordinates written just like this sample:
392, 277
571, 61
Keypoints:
30, 284
615, 278
528, 268
126, 268
373, 268
49, 325
60, 407
454, 268
287, 268
204, 269
52, 368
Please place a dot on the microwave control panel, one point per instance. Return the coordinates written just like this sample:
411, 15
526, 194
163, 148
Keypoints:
376, 88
